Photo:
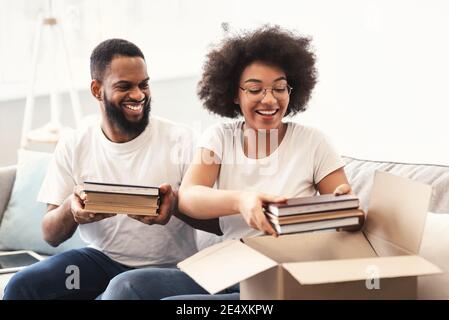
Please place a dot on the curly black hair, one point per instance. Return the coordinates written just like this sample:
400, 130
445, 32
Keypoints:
224, 65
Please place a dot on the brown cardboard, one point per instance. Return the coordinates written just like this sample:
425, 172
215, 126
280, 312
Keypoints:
379, 262
260, 287
312, 246
219, 266
397, 211
345, 270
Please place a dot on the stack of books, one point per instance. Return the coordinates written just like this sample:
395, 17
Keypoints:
316, 213
119, 198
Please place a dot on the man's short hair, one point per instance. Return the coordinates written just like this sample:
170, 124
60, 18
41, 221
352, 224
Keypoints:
103, 54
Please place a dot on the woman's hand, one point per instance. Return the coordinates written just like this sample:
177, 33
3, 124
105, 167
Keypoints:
251, 207
343, 189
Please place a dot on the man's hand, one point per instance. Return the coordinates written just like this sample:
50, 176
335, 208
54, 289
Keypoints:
80, 215
342, 189
165, 209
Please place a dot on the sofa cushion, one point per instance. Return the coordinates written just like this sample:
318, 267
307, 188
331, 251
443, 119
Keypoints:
20, 228
7, 176
360, 175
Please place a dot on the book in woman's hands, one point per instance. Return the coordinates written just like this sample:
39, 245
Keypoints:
120, 198
316, 213
350, 220
302, 205
350, 223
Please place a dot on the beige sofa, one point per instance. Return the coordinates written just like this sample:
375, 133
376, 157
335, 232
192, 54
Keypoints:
360, 172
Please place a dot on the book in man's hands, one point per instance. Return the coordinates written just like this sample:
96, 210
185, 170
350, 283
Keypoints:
120, 188
120, 198
320, 203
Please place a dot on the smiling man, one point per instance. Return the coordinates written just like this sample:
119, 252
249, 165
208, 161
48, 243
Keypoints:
124, 96
128, 146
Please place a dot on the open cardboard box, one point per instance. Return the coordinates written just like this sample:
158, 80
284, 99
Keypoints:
379, 262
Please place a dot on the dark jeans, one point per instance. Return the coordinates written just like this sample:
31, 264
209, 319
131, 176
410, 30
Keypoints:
161, 283
53, 278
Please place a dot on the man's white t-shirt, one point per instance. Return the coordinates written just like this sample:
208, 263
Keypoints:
160, 154
302, 159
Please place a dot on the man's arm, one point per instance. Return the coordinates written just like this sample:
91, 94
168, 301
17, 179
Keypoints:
335, 182
208, 225
58, 224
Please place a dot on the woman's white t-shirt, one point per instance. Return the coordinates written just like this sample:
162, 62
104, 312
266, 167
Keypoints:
303, 158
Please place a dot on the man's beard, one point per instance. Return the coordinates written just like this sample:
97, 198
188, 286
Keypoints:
118, 119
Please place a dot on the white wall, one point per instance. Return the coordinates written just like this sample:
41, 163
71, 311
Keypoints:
384, 71
173, 99
383, 64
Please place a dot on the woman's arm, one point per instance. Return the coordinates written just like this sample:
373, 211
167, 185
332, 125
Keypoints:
199, 200
196, 196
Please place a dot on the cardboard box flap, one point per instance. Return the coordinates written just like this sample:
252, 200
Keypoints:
332, 271
386, 248
397, 212
313, 246
225, 264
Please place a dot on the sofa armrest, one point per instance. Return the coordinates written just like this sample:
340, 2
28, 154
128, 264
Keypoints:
7, 178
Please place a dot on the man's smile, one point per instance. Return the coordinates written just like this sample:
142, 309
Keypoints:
134, 106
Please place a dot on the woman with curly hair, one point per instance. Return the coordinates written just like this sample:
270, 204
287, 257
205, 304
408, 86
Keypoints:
240, 166
263, 76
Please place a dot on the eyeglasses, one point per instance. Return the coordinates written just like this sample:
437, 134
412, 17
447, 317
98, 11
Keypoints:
257, 94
